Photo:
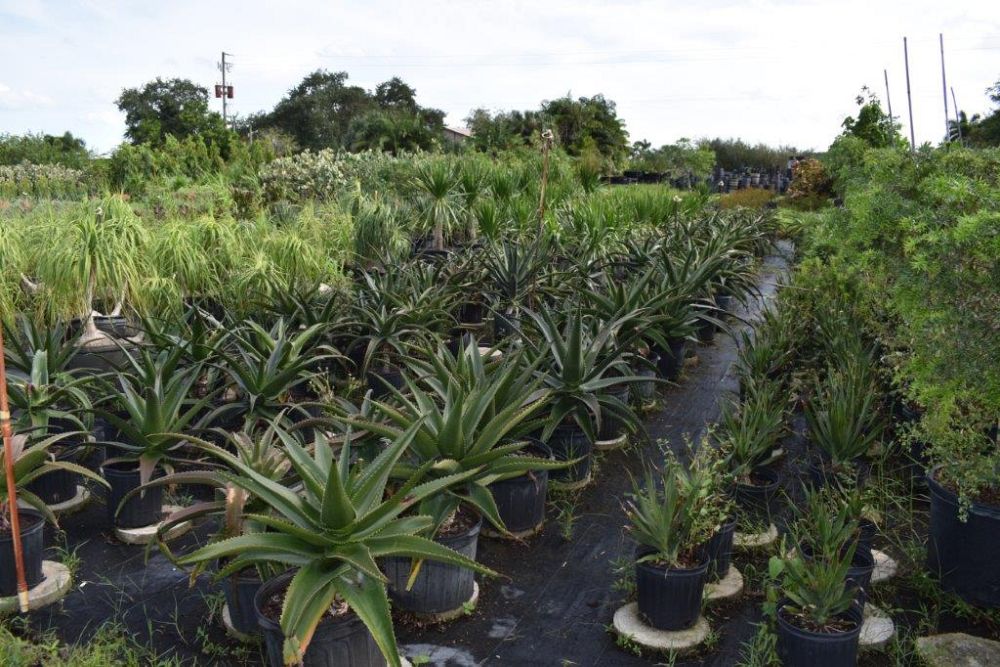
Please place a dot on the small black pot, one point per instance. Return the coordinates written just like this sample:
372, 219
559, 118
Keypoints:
142, 509
964, 554
568, 442
860, 573
336, 642
471, 313
439, 587
378, 377
720, 551
758, 501
32, 547
669, 598
671, 360
706, 332
798, 647
59, 486
240, 590
521, 500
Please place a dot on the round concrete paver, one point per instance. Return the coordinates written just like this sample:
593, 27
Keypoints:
726, 588
629, 624
885, 566
877, 630
56, 582
227, 622
147, 534
74, 504
756, 540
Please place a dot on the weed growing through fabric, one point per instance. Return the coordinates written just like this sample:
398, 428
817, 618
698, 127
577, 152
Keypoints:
623, 568
761, 650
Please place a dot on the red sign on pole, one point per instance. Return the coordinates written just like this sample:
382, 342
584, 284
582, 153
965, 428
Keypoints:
218, 90
229, 92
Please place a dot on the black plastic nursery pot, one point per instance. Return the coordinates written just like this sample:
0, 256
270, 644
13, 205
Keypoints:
860, 572
720, 551
670, 598
964, 554
671, 360
757, 499
647, 390
381, 378
59, 486
706, 332
32, 546
612, 427
569, 442
240, 590
439, 587
521, 500
337, 642
471, 313
799, 647
141, 509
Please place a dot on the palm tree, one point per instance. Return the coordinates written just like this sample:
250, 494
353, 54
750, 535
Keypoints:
438, 185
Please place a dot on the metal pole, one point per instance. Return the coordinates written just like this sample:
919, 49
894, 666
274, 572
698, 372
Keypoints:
909, 98
944, 91
8, 459
958, 116
888, 100
224, 89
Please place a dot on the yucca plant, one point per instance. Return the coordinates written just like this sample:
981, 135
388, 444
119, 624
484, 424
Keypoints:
842, 415
332, 532
817, 589
747, 433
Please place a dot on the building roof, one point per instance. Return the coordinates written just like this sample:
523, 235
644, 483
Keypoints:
463, 131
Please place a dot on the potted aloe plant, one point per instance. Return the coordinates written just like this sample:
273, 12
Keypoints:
671, 515
512, 272
156, 407
32, 461
331, 607
47, 404
464, 421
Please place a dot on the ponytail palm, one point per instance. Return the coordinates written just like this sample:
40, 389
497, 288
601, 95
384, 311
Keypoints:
332, 532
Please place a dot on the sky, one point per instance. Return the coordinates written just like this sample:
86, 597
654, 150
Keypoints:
774, 71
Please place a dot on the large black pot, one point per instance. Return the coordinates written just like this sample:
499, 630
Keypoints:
965, 555
720, 551
141, 509
569, 442
670, 598
439, 587
671, 360
59, 486
32, 546
341, 642
240, 590
757, 501
521, 500
798, 647
611, 426
380, 379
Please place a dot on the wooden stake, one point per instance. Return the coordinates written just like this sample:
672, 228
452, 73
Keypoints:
909, 98
8, 449
546, 147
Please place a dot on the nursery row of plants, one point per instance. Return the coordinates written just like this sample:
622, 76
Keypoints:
350, 440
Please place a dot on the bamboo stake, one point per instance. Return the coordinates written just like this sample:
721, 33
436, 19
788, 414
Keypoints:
8, 448
546, 147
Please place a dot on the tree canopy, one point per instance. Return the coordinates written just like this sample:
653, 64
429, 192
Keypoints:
172, 107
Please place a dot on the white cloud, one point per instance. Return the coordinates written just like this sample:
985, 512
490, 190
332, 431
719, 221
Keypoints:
765, 70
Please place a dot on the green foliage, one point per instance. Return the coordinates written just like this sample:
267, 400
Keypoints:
173, 108
66, 151
873, 126
679, 159
735, 154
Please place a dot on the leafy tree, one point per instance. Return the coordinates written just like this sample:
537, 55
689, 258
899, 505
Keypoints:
65, 150
680, 159
736, 154
872, 125
503, 130
391, 132
985, 131
594, 118
175, 107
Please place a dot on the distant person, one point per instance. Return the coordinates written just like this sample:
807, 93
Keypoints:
790, 167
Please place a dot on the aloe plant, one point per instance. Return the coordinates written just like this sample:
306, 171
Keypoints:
576, 365
466, 420
24, 338
31, 461
42, 397
333, 531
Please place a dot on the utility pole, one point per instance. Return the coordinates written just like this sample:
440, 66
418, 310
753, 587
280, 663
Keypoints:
909, 98
944, 91
226, 92
888, 100
958, 117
